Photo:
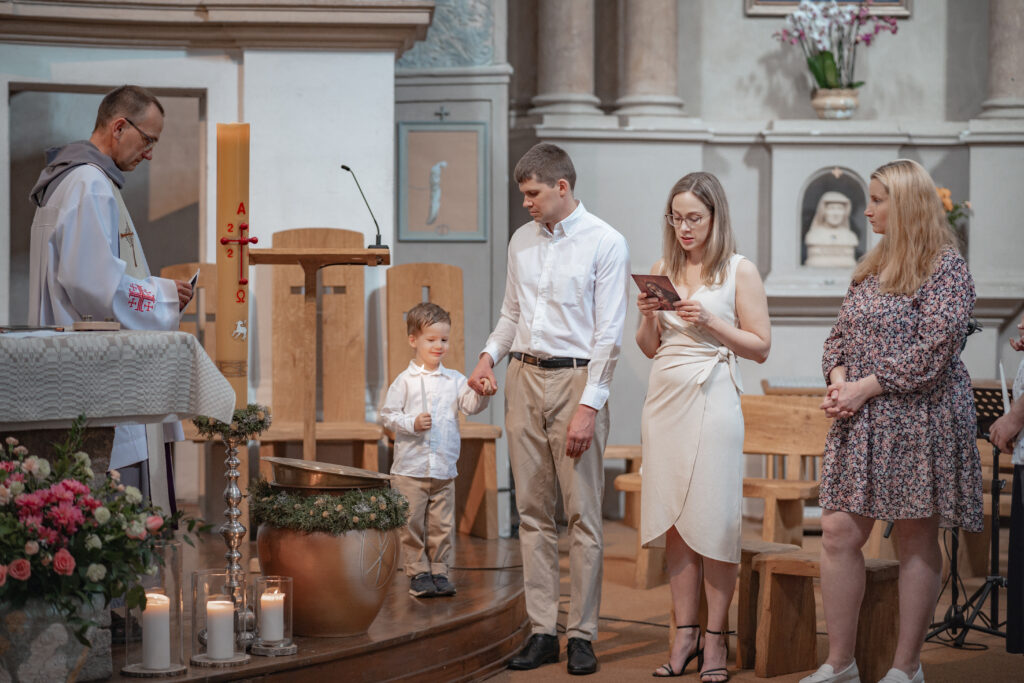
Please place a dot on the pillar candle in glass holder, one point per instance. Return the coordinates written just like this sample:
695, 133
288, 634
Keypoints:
272, 615
156, 632
220, 629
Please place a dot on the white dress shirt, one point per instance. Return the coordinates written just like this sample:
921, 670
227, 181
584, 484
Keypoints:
443, 393
565, 296
1018, 395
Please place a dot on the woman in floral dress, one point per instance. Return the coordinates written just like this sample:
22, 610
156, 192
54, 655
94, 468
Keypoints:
902, 446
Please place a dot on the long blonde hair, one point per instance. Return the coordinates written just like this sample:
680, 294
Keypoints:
721, 244
916, 230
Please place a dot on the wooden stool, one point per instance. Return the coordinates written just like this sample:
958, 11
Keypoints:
783, 506
746, 618
633, 457
650, 562
786, 640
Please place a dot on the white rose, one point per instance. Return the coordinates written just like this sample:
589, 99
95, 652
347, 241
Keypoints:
96, 572
133, 494
17, 487
92, 541
101, 514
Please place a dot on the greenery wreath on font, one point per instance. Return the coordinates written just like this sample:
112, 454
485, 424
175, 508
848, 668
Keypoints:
359, 509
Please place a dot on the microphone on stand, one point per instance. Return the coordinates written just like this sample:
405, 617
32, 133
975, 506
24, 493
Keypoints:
377, 244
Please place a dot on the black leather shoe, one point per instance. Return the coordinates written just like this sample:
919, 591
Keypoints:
581, 657
540, 649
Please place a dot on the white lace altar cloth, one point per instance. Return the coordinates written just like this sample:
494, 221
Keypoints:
49, 378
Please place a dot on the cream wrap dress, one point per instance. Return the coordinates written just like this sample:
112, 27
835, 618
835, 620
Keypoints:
692, 433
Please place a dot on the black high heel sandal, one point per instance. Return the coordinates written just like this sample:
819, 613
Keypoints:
721, 670
698, 652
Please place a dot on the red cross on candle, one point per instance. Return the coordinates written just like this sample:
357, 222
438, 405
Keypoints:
241, 242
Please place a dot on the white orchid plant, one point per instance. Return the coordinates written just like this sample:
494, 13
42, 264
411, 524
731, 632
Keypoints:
829, 34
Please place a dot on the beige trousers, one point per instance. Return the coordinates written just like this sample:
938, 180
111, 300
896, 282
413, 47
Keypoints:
427, 540
539, 405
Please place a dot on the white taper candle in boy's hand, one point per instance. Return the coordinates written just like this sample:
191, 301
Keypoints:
220, 629
272, 615
156, 632
423, 394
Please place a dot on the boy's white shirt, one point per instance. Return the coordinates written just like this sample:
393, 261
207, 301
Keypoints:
433, 452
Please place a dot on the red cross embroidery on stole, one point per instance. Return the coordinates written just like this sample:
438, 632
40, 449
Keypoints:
140, 298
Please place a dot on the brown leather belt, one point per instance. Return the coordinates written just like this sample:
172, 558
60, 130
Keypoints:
550, 363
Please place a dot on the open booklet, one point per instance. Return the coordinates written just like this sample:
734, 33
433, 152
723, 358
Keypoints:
660, 287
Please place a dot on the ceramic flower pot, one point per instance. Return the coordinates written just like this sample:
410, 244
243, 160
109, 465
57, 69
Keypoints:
37, 645
834, 103
340, 581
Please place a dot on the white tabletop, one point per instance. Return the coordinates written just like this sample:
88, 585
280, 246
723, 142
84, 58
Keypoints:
49, 378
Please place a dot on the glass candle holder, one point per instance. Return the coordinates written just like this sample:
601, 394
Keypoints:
272, 599
154, 634
215, 624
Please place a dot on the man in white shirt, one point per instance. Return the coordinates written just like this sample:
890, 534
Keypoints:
562, 320
86, 258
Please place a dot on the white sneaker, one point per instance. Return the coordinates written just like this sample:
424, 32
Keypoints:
825, 674
897, 676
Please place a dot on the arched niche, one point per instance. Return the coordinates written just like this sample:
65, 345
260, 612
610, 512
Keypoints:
833, 179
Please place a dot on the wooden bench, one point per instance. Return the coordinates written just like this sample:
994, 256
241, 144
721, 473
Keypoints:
633, 455
786, 639
749, 589
649, 570
784, 502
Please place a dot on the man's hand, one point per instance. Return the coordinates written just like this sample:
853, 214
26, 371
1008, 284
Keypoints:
1018, 344
581, 431
184, 293
482, 380
422, 422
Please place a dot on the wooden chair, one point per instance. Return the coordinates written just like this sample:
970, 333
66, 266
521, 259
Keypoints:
476, 487
342, 329
793, 429
633, 455
786, 639
749, 591
199, 318
649, 570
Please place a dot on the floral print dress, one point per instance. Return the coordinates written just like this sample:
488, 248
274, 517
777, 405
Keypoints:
910, 452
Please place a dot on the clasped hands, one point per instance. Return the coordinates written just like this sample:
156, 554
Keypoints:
690, 310
844, 398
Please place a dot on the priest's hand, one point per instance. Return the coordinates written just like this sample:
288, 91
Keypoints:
184, 293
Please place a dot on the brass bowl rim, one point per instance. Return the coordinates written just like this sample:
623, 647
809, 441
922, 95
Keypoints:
295, 473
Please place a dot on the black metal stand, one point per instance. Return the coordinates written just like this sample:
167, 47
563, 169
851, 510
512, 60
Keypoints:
960, 619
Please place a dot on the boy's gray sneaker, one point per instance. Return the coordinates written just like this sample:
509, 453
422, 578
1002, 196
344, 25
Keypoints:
422, 586
442, 586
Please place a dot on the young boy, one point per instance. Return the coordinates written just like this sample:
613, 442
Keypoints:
421, 408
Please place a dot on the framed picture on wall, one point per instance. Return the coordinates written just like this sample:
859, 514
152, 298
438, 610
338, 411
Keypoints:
442, 181
780, 8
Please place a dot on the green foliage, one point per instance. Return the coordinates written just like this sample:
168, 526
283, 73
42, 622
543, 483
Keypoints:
247, 422
381, 508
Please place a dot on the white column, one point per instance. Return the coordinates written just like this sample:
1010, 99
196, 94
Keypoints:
1005, 60
565, 56
648, 78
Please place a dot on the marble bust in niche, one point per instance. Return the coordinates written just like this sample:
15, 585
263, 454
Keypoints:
830, 241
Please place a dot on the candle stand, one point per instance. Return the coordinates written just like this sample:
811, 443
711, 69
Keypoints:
216, 625
272, 601
158, 650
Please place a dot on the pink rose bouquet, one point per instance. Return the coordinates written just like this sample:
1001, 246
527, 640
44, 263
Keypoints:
65, 537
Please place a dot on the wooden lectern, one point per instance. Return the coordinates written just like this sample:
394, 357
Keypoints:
312, 260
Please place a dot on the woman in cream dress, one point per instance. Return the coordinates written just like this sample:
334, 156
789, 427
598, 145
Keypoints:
692, 422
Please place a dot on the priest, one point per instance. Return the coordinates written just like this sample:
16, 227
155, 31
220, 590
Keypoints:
87, 260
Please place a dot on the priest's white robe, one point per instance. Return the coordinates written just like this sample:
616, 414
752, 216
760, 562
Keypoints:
81, 265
